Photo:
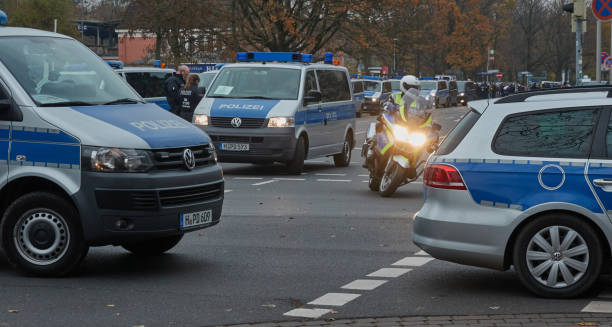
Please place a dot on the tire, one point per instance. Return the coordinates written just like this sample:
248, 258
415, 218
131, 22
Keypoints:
343, 159
42, 235
153, 247
374, 183
537, 271
387, 188
437, 105
296, 165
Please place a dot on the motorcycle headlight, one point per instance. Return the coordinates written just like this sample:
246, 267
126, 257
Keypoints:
401, 133
279, 122
115, 160
413, 138
201, 120
417, 139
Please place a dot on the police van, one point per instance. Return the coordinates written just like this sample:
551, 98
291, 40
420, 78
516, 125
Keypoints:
149, 82
278, 107
84, 161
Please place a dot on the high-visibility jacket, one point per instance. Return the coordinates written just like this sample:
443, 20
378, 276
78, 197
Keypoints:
403, 109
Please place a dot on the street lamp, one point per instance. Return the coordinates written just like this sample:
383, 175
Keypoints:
394, 61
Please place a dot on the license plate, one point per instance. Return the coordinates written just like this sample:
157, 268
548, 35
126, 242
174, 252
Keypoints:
193, 219
234, 146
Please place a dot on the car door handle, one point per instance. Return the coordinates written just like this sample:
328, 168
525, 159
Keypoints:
602, 182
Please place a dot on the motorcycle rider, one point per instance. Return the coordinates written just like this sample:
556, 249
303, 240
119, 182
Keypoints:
409, 104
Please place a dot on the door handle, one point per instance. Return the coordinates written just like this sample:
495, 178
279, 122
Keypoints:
602, 182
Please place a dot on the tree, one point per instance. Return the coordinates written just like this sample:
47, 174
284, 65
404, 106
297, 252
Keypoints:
40, 14
287, 25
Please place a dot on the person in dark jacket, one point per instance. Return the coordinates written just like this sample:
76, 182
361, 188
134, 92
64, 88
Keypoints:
173, 85
190, 97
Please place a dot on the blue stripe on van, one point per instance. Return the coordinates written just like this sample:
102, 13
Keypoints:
4, 132
42, 135
4, 145
48, 153
331, 113
244, 108
162, 103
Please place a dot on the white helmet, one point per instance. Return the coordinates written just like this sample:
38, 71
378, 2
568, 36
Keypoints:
409, 82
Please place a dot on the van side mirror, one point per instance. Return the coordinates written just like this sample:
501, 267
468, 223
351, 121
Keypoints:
201, 91
5, 106
312, 96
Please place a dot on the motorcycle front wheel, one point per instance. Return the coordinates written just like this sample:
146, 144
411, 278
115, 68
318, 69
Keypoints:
391, 180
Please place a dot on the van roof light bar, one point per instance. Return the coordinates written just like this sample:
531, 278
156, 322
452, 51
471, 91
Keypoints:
273, 56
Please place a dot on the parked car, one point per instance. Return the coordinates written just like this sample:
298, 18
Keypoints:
148, 82
467, 92
358, 96
525, 181
436, 92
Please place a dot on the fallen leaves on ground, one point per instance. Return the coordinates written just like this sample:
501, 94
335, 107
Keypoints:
13, 311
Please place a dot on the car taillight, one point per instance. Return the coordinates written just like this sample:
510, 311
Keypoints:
443, 176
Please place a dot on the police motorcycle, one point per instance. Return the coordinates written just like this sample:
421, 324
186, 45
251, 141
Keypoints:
398, 144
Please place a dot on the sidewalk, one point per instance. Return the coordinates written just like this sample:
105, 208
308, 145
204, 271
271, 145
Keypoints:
517, 320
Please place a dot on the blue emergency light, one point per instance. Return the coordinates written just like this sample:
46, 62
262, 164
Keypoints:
157, 63
3, 18
273, 56
115, 64
374, 78
329, 58
427, 79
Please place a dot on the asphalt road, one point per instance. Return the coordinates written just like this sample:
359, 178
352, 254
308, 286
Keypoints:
283, 242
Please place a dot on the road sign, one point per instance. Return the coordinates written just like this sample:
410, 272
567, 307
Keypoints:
608, 63
602, 9
604, 56
499, 75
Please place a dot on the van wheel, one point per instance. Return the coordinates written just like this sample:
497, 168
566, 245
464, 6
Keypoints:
42, 236
343, 159
296, 165
153, 247
558, 256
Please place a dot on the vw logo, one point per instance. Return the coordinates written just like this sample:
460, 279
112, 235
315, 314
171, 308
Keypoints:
189, 159
236, 122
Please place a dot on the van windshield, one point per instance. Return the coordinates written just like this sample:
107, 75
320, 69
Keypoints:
372, 86
256, 83
429, 85
62, 72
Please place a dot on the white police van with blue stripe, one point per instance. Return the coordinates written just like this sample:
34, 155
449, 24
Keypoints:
84, 161
526, 181
278, 107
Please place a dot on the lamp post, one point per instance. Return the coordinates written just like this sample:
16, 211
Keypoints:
394, 58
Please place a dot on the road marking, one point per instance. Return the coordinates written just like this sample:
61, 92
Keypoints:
359, 133
598, 307
227, 191
335, 299
389, 272
366, 175
317, 161
333, 180
365, 181
364, 284
266, 182
249, 178
322, 174
413, 261
307, 313
289, 179
421, 253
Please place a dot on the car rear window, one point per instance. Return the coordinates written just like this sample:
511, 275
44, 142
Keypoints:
552, 134
458, 133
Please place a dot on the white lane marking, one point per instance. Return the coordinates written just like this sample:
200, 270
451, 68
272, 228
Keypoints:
333, 180
416, 182
249, 178
335, 299
289, 179
317, 161
323, 174
227, 191
365, 181
413, 261
421, 253
359, 133
307, 313
598, 307
364, 284
266, 182
389, 272
365, 175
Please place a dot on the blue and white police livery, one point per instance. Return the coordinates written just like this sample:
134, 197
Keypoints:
84, 161
376, 92
525, 181
278, 107
436, 92
149, 82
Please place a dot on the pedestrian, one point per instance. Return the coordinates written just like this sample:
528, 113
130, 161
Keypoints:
190, 97
173, 86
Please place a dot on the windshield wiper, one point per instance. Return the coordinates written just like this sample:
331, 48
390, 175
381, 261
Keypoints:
124, 101
67, 104
257, 97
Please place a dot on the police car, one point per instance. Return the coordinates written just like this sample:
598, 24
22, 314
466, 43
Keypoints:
436, 92
376, 93
525, 181
84, 161
149, 82
278, 107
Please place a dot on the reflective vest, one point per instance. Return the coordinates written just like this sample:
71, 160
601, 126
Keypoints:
399, 100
